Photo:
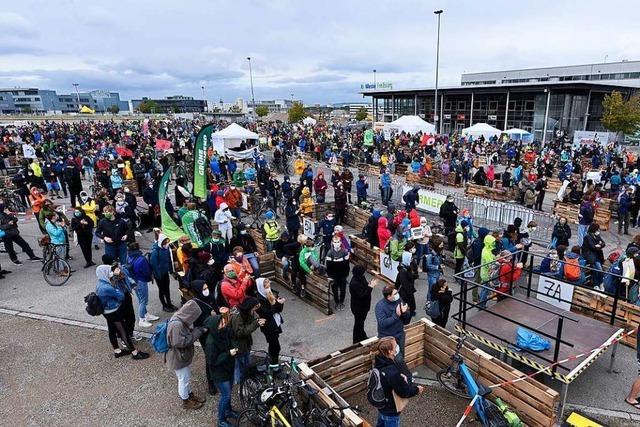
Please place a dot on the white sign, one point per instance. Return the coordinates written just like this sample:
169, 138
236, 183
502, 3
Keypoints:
555, 292
28, 151
245, 201
309, 227
429, 201
588, 138
388, 267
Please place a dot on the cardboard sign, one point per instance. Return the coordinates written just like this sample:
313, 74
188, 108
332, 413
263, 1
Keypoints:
388, 267
28, 151
309, 227
554, 291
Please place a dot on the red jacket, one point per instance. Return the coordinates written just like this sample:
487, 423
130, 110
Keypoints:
507, 275
233, 291
384, 234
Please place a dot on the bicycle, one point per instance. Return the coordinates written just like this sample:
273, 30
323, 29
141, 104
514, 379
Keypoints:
56, 271
261, 376
326, 417
458, 380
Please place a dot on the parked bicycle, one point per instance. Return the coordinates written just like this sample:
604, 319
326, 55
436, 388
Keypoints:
56, 271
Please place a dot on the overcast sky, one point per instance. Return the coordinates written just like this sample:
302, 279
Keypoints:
319, 51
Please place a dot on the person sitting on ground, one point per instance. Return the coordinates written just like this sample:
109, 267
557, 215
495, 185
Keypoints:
572, 267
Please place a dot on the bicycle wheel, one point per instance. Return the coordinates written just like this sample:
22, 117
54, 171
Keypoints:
453, 382
251, 417
56, 272
493, 415
248, 391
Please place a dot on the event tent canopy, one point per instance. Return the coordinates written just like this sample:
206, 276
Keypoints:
233, 135
309, 121
409, 124
481, 129
518, 134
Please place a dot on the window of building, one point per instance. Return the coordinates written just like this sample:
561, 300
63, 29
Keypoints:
493, 105
512, 105
447, 105
529, 105
462, 105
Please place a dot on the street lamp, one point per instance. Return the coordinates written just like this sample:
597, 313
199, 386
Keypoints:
253, 99
204, 98
435, 115
75, 85
375, 86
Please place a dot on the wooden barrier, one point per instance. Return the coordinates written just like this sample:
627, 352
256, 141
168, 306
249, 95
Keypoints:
257, 236
345, 372
553, 185
602, 217
356, 217
320, 210
363, 254
437, 175
318, 288
499, 194
416, 179
604, 306
400, 168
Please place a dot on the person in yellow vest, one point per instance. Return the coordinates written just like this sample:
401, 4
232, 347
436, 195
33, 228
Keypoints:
36, 168
306, 202
271, 231
128, 172
384, 159
89, 207
298, 166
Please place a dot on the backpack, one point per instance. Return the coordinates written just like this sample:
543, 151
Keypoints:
375, 392
572, 269
159, 340
610, 281
203, 227
94, 305
218, 296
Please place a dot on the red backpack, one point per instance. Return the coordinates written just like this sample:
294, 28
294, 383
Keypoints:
572, 269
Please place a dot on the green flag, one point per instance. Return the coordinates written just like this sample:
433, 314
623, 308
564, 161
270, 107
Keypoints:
368, 137
203, 142
167, 224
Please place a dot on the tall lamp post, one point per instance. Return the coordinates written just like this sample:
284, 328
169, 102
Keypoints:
75, 85
375, 86
204, 98
253, 98
435, 115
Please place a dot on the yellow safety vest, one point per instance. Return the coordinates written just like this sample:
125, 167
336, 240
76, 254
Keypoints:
271, 230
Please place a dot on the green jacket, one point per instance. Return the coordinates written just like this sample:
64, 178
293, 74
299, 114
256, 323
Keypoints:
238, 179
487, 257
460, 242
242, 329
396, 247
305, 253
216, 348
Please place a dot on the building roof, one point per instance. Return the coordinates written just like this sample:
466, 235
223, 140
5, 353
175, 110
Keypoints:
631, 84
556, 67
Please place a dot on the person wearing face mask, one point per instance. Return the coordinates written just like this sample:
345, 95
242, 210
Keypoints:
449, 215
249, 249
434, 262
181, 336
150, 197
320, 187
111, 298
271, 306
244, 322
340, 197
561, 233
624, 207
141, 271
203, 296
292, 214
223, 218
392, 314
462, 243
233, 198
592, 252
113, 231
82, 225
407, 275
233, 288
360, 289
337, 262
139, 174
441, 293
271, 230
240, 264
162, 266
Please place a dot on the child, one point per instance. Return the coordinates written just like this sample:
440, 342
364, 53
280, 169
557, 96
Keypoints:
508, 274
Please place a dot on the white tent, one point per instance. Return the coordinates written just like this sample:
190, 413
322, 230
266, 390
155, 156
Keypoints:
309, 121
231, 137
518, 134
481, 129
408, 124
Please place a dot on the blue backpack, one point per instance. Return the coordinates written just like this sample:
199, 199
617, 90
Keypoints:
610, 281
159, 340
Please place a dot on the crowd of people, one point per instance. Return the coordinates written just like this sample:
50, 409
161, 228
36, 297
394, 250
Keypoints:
108, 168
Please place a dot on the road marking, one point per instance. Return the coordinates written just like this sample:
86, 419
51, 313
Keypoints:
324, 319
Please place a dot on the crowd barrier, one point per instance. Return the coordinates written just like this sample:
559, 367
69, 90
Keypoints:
345, 372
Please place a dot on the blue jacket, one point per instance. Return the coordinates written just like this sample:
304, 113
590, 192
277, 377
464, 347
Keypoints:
385, 180
110, 297
55, 232
623, 207
361, 188
433, 261
140, 268
160, 260
586, 213
327, 228
508, 245
215, 166
389, 324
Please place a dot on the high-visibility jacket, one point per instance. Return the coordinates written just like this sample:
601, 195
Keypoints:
271, 230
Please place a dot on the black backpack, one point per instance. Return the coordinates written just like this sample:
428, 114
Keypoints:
203, 226
94, 306
375, 391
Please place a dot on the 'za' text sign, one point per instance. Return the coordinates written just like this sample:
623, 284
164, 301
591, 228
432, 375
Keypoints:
555, 292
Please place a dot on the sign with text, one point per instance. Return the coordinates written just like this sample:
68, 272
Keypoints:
555, 292
309, 227
429, 201
581, 138
388, 267
28, 151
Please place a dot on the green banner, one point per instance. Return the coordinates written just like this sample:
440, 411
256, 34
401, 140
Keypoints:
189, 227
200, 161
167, 224
368, 137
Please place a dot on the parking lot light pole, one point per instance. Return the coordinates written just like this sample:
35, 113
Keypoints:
435, 114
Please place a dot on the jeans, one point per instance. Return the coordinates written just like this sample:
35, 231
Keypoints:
243, 360
388, 420
270, 245
255, 265
224, 403
237, 212
421, 255
485, 293
184, 379
285, 266
582, 231
386, 195
142, 292
117, 251
596, 274
432, 279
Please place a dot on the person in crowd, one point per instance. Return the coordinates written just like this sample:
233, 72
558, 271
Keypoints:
141, 271
223, 218
392, 314
371, 229
306, 202
592, 251
271, 306
55, 230
161, 266
487, 266
585, 218
394, 381
384, 234
271, 230
624, 207
244, 322
309, 261
326, 227
340, 202
449, 214
113, 231
181, 336
540, 189
233, 198
9, 224
385, 187
245, 249
462, 243
203, 296
292, 214
362, 188
508, 274
233, 287
572, 267
360, 290
111, 298
407, 275
337, 263
441, 293
320, 187
241, 264
561, 233
397, 243
434, 263
82, 226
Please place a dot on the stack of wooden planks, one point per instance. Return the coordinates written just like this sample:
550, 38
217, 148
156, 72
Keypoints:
363, 254
318, 288
356, 217
415, 179
257, 236
437, 175
267, 265
553, 185
400, 168
602, 216
499, 194
321, 209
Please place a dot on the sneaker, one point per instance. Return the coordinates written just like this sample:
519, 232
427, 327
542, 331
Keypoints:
137, 336
16, 261
35, 258
143, 323
140, 355
3, 271
89, 264
303, 293
196, 398
122, 353
191, 404
151, 317
167, 309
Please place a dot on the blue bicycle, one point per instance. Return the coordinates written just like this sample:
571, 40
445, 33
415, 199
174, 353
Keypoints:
457, 379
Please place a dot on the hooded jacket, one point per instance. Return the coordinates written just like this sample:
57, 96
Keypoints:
306, 203
217, 348
360, 291
487, 257
160, 258
243, 323
372, 229
384, 234
110, 297
477, 245
271, 313
393, 381
181, 335
140, 267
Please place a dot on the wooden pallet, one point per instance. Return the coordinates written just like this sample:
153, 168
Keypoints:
400, 168
363, 254
356, 217
499, 194
602, 217
318, 288
257, 236
437, 175
320, 210
553, 185
416, 179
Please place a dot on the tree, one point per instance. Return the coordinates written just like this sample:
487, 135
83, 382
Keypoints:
26, 109
114, 109
620, 115
147, 107
361, 114
296, 112
235, 109
262, 110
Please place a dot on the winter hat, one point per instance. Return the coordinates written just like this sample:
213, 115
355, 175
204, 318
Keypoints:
269, 215
248, 303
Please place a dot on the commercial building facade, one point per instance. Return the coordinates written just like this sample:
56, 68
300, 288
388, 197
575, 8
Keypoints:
540, 107
34, 100
174, 104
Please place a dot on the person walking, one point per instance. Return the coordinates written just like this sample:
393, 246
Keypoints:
111, 298
181, 335
141, 271
161, 266
271, 306
9, 224
624, 208
394, 381
391, 316
585, 218
113, 230
244, 322
82, 225
337, 263
360, 290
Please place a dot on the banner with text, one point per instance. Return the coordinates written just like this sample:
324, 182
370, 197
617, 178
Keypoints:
555, 292
167, 224
429, 201
201, 161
